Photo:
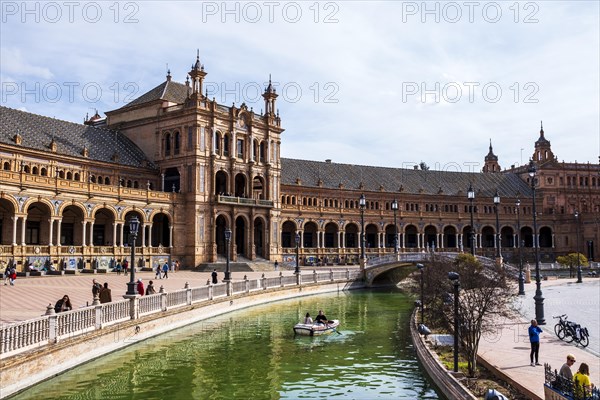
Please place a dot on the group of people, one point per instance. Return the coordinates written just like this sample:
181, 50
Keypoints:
164, 269
319, 319
582, 385
149, 289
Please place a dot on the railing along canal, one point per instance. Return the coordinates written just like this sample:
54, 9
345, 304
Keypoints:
49, 329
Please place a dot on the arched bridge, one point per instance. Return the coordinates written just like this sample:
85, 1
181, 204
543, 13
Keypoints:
377, 266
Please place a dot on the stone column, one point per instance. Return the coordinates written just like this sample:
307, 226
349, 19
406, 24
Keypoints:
15, 220
51, 223
121, 232
23, 227
58, 231
91, 233
114, 233
84, 226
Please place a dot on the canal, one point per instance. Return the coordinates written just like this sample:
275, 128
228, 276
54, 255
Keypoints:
253, 354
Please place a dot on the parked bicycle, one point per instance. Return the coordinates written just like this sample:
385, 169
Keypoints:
570, 331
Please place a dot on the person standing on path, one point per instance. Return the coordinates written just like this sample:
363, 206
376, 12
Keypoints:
534, 338
157, 275
140, 287
6, 274
213, 275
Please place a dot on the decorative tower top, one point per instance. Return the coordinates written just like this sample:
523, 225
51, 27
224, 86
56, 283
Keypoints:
270, 95
197, 74
491, 161
542, 152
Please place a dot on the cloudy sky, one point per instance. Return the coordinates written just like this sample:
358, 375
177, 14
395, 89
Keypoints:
377, 83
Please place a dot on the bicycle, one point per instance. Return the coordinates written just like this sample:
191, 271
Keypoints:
570, 331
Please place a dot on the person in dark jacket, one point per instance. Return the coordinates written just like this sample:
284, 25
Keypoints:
63, 304
105, 294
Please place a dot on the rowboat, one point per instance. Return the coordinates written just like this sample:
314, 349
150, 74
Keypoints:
316, 329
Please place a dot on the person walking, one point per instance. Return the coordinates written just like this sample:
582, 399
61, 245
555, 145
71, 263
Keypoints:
125, 266
565, 370
534, 338
140, 287
157, 274
276, 265
105, 294
166, 270
150, 288
214, 277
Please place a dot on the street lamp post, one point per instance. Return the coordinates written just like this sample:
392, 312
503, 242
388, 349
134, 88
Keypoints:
362, 202
498, 238
453, 276
539, 299
421, 268
134, 224
395, 208
577, 249
521, 277
471, 196
227, 249
297, 238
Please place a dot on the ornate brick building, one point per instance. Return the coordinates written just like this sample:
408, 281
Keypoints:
190, 168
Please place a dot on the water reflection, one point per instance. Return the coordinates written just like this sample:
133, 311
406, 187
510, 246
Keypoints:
253, 354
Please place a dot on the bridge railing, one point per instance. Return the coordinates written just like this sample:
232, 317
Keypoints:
51, 328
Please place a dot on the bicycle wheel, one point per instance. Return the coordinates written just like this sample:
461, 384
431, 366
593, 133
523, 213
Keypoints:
584, 341
560, 331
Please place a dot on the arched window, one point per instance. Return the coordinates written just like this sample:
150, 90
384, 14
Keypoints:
217, 140
226, 145
107, 181
34, 170
168, 144
69, 175
61, 174
27, 169
44, 172
76, 176
6, 166
177, 143
136, 185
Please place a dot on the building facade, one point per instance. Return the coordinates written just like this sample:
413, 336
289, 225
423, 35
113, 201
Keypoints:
189, 168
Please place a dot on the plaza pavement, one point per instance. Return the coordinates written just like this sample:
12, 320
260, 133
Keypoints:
507, 348
30, 296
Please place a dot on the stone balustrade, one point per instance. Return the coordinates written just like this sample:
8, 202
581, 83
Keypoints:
51, 328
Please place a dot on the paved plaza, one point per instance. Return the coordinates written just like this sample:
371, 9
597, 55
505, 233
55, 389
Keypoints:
30, 296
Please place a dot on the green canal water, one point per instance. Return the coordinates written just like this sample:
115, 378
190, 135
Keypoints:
253, 354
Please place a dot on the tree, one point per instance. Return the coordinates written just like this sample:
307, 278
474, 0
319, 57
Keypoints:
571, 260
485, 294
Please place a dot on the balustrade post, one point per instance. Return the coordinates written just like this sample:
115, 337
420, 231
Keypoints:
314, 276
299, 279
52, 325
96, 299
188, 294
281, 279
331, 274
263, 282
210, 290
163, 298
98, 316
246, 284
347, 274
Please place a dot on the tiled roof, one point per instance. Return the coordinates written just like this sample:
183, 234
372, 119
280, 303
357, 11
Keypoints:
397, 180
37, 132
168, 90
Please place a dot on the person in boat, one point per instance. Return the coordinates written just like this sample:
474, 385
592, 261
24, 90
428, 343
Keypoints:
308, 320
321, 318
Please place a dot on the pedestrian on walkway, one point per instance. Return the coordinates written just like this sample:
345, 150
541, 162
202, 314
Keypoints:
276, 265
125, 265
119, 268
140, 287
534, 338
157, 275
105, 294
166, 270
150, 289
214, 277
565, 370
